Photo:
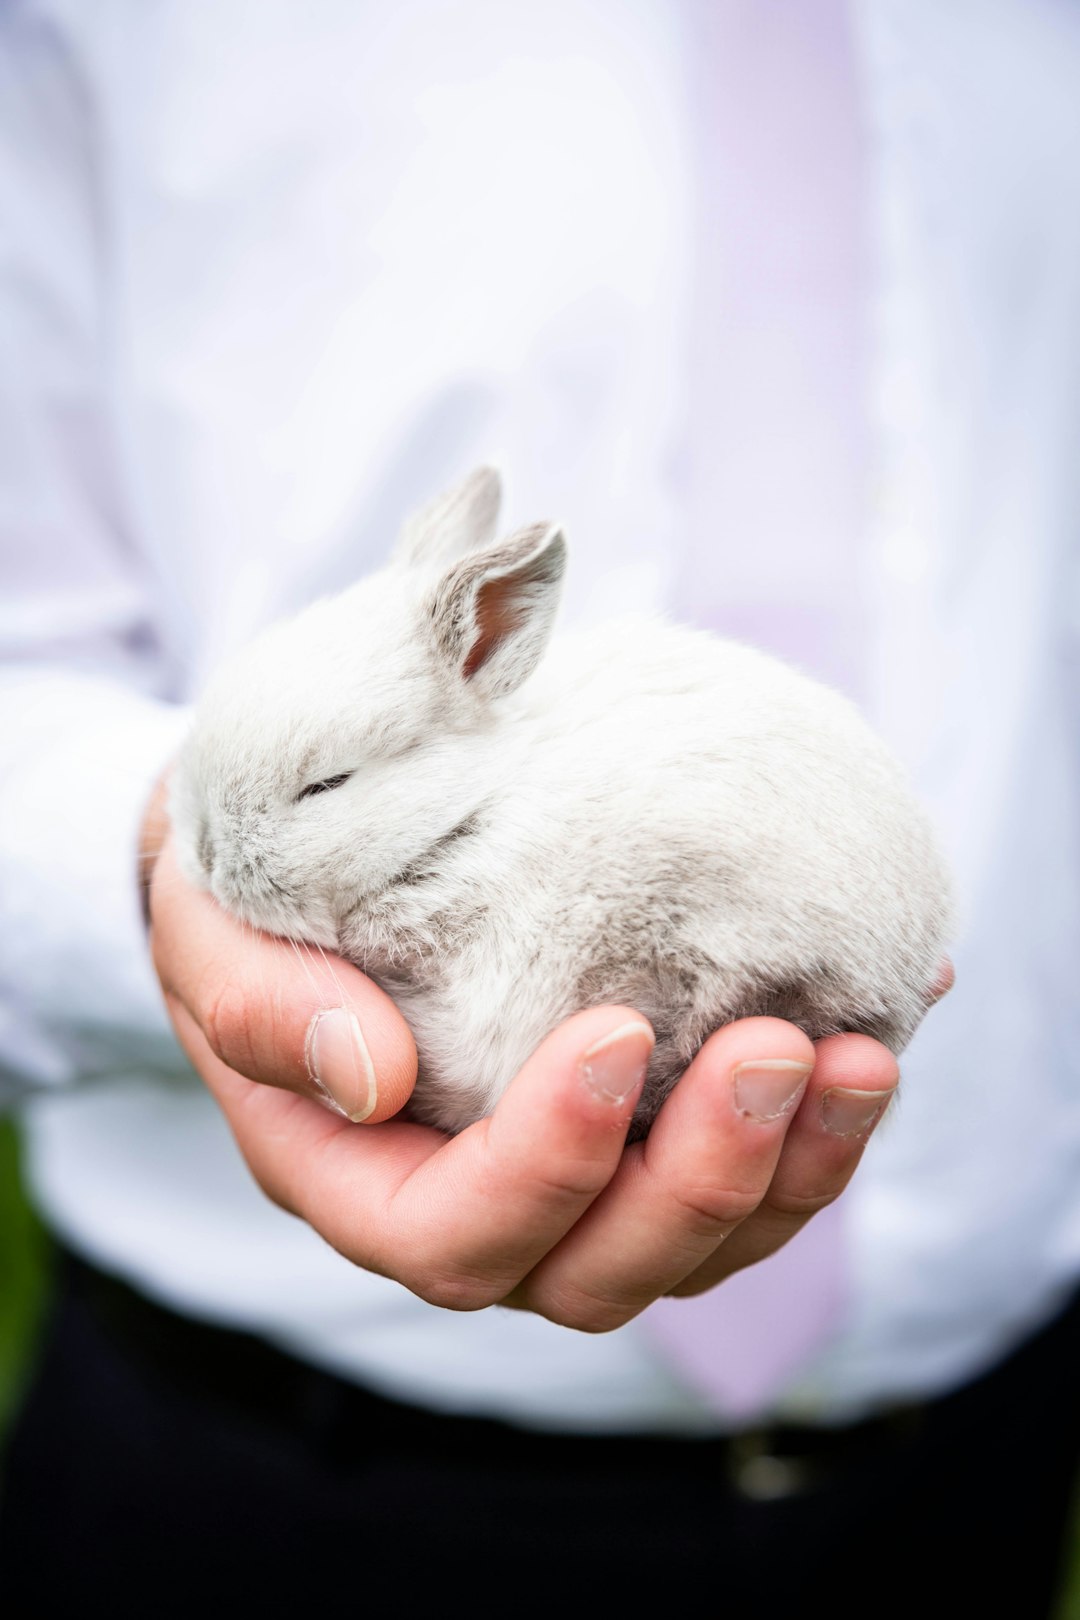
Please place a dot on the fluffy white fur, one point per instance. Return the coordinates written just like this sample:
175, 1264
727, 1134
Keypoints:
647, 815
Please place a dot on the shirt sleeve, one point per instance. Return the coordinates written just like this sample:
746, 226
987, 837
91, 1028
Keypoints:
85, 718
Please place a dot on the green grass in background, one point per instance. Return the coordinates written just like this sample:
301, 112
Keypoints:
24, 1253
1069, 1607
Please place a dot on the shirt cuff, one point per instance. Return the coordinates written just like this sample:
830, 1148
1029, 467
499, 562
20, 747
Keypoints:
78, 995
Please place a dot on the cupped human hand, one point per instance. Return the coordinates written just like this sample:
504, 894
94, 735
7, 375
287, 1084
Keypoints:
541, 1206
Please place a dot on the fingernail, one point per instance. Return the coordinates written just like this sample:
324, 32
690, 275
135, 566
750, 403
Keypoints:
340, 1065
615, 1067
851, 1113
769, 1087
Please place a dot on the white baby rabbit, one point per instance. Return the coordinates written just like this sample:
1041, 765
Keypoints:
646, 815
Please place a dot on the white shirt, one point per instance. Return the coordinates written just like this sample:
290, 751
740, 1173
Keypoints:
266, 287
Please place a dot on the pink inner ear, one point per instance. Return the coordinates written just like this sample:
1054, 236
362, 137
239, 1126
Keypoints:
497, 614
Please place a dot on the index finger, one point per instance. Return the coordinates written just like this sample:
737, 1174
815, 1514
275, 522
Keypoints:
277, 1011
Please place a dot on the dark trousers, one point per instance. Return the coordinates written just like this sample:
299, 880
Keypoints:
166, 1467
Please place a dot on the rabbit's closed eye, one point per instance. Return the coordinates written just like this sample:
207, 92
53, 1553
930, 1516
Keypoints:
326, 786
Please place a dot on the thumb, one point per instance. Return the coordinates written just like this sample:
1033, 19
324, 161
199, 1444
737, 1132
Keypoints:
275, 1011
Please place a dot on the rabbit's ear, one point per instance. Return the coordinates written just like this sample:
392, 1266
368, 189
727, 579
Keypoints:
492, 614
456, 522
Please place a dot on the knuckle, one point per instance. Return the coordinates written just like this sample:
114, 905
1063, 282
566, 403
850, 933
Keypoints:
588, 1310
229, 1027
801, 1205
451, 1291
570, 1181
703, 1208
268, 1185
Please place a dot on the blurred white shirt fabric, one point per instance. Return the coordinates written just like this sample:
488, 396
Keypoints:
270, 278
